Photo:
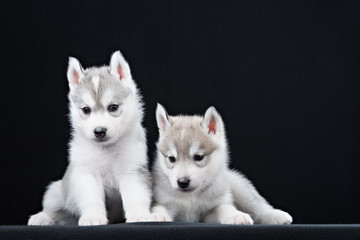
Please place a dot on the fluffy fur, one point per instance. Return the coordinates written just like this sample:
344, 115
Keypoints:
107, 179
192, 180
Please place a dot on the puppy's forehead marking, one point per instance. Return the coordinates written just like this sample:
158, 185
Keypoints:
95, 80
182, 134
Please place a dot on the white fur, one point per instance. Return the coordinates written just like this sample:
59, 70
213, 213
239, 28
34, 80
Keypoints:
101, 174
218, 194
95, 80
194, 147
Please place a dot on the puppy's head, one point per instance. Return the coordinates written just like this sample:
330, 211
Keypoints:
103, 100
191, 149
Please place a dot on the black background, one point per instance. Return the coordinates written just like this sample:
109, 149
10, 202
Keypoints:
283, 74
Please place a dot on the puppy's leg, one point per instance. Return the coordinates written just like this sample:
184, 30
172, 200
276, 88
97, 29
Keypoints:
227, 214
249, 200
136, 196
161, 214
87, 193
53, 202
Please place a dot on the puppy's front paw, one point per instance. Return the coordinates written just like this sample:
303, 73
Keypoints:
161, 217
237, 218
140, 218
275, 216
40, 218
91, 219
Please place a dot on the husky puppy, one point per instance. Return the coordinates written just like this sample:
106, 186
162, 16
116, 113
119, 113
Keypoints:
191, 178
107, 179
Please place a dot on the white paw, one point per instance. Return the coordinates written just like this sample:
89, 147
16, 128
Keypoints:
141, 218
92, 219
161, 217
275, 216
237, 218
40, 218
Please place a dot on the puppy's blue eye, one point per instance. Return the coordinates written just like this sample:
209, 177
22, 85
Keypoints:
198, 157
113, 107
172, 159
86, 110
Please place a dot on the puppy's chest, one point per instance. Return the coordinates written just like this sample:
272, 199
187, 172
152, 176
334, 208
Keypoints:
110, 182
110, 171
108, 177
110, 165
113, 201
191, 209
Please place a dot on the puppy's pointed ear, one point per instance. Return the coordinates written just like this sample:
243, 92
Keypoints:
212, 122
119, 67
162, 118
75, 73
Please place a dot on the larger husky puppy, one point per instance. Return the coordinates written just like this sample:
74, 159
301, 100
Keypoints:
192, 180
107, 173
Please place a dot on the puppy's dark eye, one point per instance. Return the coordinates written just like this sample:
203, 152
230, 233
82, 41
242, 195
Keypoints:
172, 159
86, 110
113, 107
198, 157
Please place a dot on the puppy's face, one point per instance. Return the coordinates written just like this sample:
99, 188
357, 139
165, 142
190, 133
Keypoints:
102, 102
100, 106
188, 149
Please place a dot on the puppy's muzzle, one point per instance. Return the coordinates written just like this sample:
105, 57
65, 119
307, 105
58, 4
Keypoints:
100, 132
183, 183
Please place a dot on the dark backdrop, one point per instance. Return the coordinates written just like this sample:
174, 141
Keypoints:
283, 74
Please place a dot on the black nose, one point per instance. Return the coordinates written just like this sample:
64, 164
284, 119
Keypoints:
183, 182
100, 132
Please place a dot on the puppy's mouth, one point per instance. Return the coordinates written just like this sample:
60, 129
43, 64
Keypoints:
185, 190
102, 140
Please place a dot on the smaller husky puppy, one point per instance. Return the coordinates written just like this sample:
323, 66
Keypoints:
107, 173
191, 178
